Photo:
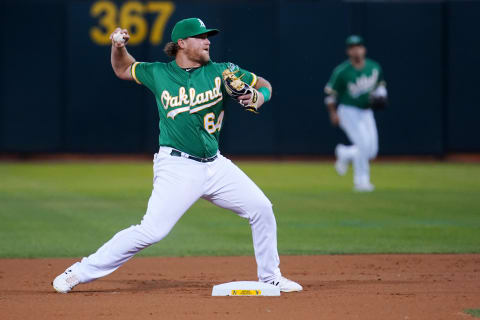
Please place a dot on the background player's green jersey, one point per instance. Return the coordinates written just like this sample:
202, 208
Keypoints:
351, 86
190, 103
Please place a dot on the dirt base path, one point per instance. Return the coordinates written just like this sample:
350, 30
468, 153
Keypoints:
335, 287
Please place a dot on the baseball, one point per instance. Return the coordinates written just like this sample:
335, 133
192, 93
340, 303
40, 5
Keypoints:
118, 37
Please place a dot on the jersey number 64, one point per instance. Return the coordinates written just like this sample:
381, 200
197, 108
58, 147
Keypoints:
209, 122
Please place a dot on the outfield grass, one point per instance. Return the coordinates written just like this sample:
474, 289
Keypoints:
473, 312
70, 209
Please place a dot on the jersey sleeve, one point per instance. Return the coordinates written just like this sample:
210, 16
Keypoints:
142, 73
334, 85
247, 76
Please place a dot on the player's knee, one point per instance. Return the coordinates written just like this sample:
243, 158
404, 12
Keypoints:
362, 153
373, 152
153, 234
362, 148
264, 205
261, 209
156, 237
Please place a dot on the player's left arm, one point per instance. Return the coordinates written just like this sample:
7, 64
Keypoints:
378, 97
381, 86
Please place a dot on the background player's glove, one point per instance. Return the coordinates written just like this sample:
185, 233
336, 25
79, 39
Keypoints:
378, 98
378, 103
235, 87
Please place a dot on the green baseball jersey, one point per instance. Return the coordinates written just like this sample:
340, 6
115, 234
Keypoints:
190, 103
351, 86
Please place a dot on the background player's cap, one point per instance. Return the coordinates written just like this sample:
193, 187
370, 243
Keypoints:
354, 40
190, 27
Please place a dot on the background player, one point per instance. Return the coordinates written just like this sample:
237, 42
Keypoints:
188, 165
350, 91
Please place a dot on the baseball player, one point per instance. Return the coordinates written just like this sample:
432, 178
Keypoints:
190, 92
354, 89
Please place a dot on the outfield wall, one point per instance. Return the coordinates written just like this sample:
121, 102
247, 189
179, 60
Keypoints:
58, 92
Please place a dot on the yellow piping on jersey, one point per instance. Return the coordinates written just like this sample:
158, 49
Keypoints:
134, 75
254, 80
330, 91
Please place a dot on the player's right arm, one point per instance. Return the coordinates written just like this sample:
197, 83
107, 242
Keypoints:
121, 60
332, 89
332, 111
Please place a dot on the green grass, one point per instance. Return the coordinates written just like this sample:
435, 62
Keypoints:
70, 209
473, 312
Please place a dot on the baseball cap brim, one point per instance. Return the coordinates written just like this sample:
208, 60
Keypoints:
209, 32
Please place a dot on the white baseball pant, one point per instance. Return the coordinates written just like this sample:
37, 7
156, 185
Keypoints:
178, 183
361, 129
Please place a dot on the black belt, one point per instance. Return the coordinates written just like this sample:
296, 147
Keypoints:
176, 153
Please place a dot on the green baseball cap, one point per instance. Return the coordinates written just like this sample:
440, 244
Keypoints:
190, 27
354, 40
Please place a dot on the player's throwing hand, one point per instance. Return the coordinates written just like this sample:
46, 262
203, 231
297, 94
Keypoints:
119, 37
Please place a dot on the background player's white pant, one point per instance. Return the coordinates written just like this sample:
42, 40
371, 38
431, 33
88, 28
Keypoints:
361, 129
178, 183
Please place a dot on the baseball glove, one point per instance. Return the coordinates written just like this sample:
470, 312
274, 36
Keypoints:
378, 99
235, 87
378, 103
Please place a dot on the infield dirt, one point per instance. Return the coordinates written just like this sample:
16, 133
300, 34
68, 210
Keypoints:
335, 287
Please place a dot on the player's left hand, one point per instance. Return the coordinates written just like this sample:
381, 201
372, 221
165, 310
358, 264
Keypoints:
378, 98
247, 96
254, 99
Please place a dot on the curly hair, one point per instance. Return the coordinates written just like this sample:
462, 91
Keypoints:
171, 49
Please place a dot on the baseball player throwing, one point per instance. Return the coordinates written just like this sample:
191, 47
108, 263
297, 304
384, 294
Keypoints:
354, 89
189, 91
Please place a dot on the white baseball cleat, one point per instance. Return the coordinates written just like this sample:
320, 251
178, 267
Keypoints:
341, 166
286, 285
65, 281
364, 187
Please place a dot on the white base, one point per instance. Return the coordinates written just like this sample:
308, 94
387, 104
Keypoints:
246, 288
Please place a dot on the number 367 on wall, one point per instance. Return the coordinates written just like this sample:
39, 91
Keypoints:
131, 16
